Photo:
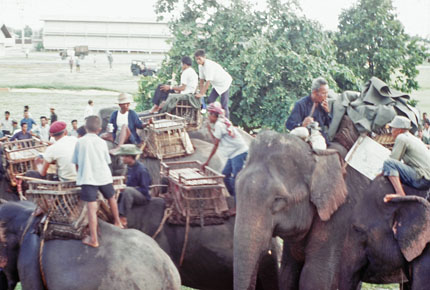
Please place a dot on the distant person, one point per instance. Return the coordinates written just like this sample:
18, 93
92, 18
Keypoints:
74, 131
110, 58
30, 122
425, 118
211, 73
78, 64
71, 61
89, 110
92, 161
6, 124
23, 134
426, 133
27, 52
43, 130
26, 107
15, 128
81, 131
54, 116
189, 81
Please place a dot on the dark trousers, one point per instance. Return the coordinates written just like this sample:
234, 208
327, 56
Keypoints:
6, 132
224, 100
231, 169
129, 197
160, 96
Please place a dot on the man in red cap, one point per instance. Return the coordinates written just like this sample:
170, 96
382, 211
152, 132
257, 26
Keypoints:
60, 153
230, 142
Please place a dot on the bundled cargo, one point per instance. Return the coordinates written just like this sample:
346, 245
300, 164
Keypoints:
166, 136
192, 116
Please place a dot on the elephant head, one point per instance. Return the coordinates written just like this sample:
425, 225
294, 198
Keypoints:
282, 189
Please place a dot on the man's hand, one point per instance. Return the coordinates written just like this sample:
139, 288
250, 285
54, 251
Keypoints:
324, 105
165, 88
307, 121
204, 165
198, 95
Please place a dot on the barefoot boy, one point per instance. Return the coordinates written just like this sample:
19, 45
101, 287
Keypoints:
92, 160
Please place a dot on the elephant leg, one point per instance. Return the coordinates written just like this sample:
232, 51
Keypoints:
420, 270
291, 267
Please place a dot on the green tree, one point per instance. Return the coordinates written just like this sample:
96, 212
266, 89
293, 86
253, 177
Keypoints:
372, 42
272, 55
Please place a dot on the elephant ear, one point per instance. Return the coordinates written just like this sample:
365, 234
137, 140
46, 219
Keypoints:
327, 185
412, 225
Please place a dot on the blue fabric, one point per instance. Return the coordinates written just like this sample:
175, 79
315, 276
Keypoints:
30, 122
302, 109
133, 123
21, 136
407, 174
231, 169
139, 178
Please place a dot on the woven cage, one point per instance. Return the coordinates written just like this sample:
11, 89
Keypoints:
193, 117
195, 192
166, 137
386, 140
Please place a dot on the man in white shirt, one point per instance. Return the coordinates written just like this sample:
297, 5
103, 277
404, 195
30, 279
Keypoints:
89, 110
212, 73
189, 81
74, 131
60, 153
6, 124
43, 130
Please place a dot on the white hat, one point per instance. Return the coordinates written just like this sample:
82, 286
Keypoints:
124, 99
400, 122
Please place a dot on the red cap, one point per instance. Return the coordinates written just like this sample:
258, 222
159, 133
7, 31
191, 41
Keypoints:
57, 127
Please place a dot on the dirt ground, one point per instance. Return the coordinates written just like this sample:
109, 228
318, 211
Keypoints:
43, 70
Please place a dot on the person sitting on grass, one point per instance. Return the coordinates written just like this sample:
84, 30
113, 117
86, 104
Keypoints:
92, 161
138, 181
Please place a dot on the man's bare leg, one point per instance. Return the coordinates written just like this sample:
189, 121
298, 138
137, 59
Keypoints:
114, 207
395, 181
123, 220
123, 138
92, 240
154, 109
107, 137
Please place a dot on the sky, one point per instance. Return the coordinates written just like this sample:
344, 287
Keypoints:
414, 14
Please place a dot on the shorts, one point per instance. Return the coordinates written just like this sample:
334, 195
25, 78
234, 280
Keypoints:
89, 192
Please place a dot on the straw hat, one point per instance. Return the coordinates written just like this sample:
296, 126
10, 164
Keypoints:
128, 149
124, 99
400, 122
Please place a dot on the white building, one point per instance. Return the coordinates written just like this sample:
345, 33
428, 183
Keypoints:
100, 34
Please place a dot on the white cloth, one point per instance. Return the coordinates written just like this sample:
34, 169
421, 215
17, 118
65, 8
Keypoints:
93, 159
6, 125
62, 152
190, 79
229, 146
216, 75
43, 132
121, 119
89, 111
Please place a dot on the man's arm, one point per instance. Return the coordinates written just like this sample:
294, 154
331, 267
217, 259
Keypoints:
399, 148
214, 149
296, 118
43, 171
205, 88
144, 183
201, 84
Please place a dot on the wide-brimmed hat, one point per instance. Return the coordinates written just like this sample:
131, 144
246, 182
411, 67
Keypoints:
128, 149
124, 99
400, 122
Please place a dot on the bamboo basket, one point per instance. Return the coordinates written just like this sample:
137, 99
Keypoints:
386, 140
195, 192
166, 136
193, 117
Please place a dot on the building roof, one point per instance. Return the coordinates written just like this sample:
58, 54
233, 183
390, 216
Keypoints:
100, 19
5, 31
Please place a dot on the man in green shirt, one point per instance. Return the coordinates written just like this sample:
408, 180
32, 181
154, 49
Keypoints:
415, 168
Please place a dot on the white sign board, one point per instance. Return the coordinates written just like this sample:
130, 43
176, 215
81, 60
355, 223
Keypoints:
367, 157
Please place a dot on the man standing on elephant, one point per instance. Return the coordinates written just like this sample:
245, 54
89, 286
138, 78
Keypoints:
231, 144
312, 108
138, 181
415, 168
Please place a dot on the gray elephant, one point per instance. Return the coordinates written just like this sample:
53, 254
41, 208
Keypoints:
126, 259
208, 260
336, 231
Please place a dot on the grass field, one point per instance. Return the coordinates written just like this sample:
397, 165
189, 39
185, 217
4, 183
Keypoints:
69, 92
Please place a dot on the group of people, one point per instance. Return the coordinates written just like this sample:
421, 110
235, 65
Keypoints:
409, 162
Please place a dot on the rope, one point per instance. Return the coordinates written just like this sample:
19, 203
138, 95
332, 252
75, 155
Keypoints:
184, 247
42, 243
167, 213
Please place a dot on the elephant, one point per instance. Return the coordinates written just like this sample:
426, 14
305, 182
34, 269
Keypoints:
126, 259
330, 242
208, 260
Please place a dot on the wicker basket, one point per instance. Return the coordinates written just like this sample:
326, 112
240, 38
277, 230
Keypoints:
166, 137
386, 140
192, 116
195, 193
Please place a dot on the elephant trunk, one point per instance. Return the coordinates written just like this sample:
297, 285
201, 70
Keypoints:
252, 235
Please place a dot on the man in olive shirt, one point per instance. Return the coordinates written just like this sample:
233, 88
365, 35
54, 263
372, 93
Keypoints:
415, 168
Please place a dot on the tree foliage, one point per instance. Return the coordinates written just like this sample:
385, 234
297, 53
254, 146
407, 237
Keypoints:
272, 55
372, 42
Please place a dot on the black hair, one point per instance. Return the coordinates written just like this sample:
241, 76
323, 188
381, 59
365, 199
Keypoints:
187, 60
43, 117
26, 107
7, 112
23, 123
73, 121
90, 102
200, 52
25, 111
81, 131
